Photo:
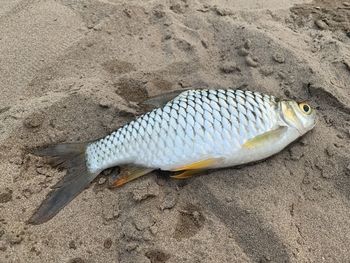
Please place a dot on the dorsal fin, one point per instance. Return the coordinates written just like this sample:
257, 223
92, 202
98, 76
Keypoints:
162, 99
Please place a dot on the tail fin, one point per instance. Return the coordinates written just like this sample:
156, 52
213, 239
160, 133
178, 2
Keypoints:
72, 158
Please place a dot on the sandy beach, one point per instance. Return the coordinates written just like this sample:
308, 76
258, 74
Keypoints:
77, 70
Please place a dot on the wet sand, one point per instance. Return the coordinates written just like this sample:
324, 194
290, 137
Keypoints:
77, 70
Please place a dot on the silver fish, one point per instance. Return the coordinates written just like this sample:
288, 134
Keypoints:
195, 130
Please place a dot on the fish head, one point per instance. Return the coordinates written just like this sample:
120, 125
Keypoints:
299, 115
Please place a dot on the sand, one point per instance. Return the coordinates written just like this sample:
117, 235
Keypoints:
77, 70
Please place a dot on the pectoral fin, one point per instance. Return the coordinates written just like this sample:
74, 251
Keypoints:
267, 137
200, 165
161, 100
130, 173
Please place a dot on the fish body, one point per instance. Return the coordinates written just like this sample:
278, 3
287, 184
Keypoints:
193, 131
196, 125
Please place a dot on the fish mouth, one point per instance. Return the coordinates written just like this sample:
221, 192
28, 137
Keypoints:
301, 133
315, 121
313, 126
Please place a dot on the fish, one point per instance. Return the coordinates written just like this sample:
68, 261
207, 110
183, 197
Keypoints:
186, 133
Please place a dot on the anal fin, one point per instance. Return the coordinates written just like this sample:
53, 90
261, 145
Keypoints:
130, 173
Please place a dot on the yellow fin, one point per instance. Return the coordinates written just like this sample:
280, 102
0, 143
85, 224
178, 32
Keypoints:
186, 174
267, 137
129, 173
207, 163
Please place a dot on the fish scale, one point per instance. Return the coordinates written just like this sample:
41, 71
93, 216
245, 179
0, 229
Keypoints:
195, 125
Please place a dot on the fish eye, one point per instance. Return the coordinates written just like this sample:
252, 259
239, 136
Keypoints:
305, 108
